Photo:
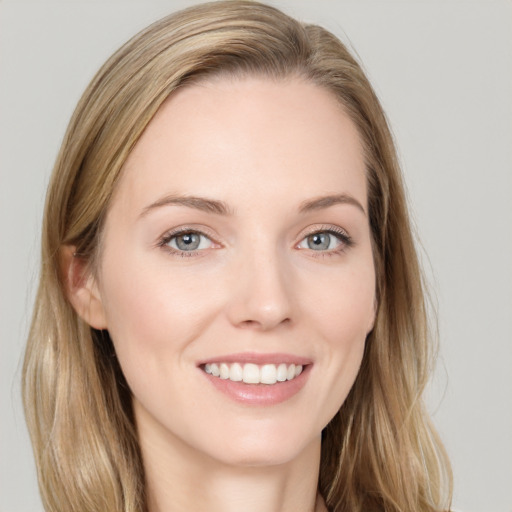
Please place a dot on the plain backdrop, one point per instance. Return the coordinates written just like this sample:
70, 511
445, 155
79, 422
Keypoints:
443, 71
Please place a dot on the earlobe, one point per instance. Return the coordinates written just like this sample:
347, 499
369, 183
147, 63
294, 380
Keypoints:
81, 288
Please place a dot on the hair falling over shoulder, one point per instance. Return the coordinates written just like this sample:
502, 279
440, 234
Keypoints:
380, 452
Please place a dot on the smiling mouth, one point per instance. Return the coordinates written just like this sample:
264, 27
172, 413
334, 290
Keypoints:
250, 373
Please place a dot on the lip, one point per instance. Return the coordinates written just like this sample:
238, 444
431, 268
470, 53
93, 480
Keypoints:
259, 394
259, 359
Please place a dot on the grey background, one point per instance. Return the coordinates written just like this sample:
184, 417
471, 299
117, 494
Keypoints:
443, 70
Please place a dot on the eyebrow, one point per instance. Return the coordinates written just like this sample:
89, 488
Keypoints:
199, 203
221, 208
326, 201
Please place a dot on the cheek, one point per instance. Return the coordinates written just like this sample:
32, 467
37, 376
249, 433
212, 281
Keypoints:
343, 318
343, 304
152, 316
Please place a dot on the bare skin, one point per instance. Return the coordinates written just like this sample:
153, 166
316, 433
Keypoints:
280, 269
229, 489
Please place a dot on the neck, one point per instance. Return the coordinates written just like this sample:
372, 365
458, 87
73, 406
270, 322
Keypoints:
181, 479
251, 491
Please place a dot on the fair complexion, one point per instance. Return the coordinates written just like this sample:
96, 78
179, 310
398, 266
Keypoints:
238, 234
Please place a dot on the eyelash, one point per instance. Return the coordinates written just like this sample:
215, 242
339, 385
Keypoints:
344, 238
346, 241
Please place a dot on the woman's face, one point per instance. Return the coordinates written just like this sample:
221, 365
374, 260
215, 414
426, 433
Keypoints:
238, 243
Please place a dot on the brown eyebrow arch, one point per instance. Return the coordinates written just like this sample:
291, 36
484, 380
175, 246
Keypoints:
199, 203
326, 201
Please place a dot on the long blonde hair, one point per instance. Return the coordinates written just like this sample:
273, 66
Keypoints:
380, 452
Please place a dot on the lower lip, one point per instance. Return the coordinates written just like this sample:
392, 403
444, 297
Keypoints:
260, 394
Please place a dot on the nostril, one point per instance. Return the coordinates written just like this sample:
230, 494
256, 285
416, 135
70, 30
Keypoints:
249, 324
255, 324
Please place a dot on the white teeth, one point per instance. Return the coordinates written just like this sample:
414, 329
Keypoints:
282, 372
252, 373
268, 374
224, 371
236, 372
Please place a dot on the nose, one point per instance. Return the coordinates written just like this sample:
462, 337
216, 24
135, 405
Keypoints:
262, 295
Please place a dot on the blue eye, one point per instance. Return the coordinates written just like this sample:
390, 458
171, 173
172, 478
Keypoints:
326, 240
188, 241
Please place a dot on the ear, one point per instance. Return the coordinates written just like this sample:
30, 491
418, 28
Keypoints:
81, 288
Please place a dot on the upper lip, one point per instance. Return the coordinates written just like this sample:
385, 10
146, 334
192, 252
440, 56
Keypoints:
257, 358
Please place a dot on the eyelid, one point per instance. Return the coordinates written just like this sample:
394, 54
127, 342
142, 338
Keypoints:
325, 228
320, 228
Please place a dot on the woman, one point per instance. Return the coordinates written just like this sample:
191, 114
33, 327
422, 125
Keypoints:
230, 313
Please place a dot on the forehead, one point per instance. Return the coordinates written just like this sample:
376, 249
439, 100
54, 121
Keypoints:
224, 136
